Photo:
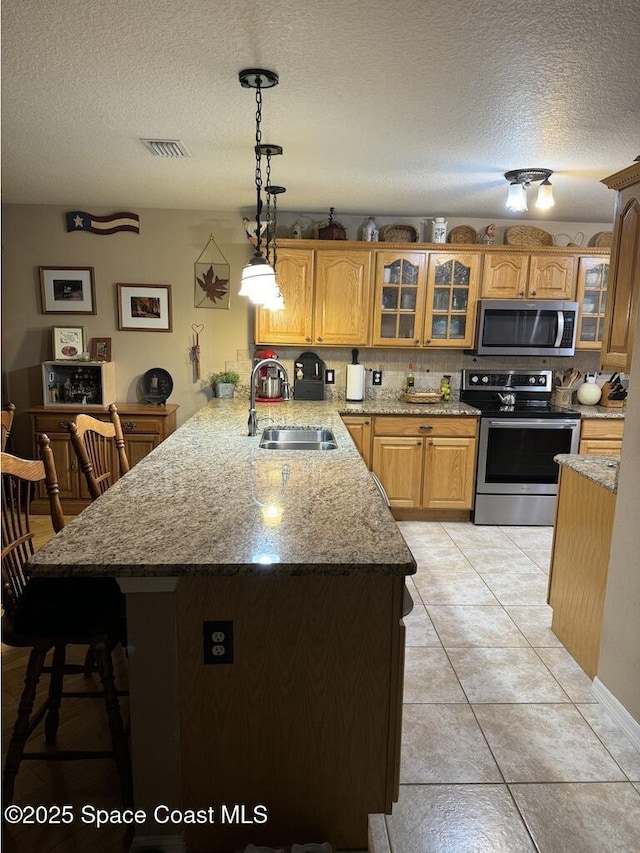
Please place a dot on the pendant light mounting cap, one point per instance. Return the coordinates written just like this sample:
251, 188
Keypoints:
254, 78
268, 149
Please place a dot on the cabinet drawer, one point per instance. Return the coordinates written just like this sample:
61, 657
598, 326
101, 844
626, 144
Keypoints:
602, 428
56, 423
137, 425
410, 425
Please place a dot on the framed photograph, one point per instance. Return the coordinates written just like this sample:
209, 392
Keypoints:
68, 343
144, 307
100, 349
67, 290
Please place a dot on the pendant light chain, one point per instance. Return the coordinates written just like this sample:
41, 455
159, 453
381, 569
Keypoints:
258, 163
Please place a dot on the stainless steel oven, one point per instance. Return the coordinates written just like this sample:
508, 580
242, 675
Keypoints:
521, 432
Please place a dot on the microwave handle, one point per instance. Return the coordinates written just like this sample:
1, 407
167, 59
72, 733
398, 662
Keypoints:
558, 339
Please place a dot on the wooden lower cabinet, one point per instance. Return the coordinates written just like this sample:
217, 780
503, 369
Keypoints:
426, 463
360, 430
143, 426
601, 436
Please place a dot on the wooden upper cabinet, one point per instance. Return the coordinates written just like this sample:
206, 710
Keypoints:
624, 276
400, 282
294, 325
525, 275
452, 288
342, 297
593, 282
505, 276
552, 277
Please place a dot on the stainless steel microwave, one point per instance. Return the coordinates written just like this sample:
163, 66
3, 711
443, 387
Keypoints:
526, 327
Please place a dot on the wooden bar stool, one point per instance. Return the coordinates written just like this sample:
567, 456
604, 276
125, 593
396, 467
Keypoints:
52, 613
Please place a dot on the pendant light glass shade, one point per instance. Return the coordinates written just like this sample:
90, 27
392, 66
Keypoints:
276, 303
258, 281
545, 196
517, 198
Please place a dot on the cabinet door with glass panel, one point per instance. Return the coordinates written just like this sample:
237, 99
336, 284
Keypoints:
593, 280
400, 298
452, 286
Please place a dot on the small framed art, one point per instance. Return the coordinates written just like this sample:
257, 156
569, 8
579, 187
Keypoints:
100, 349
68, 343
67, 290
144, 307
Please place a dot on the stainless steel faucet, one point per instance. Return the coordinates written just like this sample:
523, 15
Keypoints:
253, 427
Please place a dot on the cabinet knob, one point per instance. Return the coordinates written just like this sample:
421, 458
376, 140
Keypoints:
129, 425
73, 465
319, 340
366, 423
426, 427
428, 341
416, 342
533, 292
308, 339
419, 443
430, 444
522, 293
64, 424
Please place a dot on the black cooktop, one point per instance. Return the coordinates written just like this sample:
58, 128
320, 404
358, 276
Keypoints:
512, 394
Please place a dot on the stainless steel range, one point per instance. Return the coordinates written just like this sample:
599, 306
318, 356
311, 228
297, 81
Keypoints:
520, 433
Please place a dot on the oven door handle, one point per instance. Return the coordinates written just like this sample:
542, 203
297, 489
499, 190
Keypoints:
558, 339
508, 423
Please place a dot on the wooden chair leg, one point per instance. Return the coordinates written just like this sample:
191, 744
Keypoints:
55, 694
119, 743
21, 728
89, 662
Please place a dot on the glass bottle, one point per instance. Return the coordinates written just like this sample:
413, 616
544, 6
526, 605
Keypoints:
410, 380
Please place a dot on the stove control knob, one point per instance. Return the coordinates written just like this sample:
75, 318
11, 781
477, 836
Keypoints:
485, 379
475, 379
542, 381
532, 380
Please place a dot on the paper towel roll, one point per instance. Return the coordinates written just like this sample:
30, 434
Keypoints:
355, 383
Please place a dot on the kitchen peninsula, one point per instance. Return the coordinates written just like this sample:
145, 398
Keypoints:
294, 562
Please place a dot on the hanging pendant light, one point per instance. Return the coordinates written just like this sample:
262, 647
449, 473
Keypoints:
520, 180
258, 280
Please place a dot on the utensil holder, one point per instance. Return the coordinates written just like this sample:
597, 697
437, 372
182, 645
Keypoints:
562, 396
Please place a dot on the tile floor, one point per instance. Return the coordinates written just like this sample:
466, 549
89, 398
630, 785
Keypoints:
504, 748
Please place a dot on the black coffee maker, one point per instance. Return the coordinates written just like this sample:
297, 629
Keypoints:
309, 377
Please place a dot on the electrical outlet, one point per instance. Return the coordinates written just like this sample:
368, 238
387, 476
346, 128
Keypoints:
376, 378
217, 639
329, 377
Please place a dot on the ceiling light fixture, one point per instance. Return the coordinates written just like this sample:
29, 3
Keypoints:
258, 277
519, 182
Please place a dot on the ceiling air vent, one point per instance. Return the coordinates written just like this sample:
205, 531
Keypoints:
166, 147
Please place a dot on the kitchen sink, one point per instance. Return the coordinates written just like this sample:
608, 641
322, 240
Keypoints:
297, 438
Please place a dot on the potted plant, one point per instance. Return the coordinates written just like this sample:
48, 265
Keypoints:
224, 383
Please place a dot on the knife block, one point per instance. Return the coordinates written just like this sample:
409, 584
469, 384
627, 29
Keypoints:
605, 401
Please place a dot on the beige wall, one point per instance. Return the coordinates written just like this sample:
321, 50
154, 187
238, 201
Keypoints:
164, 252
619, 667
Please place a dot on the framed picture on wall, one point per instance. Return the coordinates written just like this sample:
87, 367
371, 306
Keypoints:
100, 349
144, 307
67, 290
68, 343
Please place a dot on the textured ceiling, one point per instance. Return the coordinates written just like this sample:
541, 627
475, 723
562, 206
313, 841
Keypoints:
411, 107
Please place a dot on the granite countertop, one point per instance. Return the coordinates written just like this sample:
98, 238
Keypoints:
602, 470
399, 407
209, 501
597, 411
